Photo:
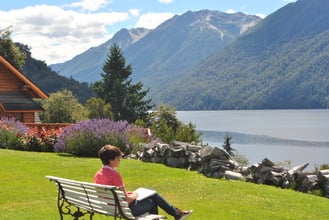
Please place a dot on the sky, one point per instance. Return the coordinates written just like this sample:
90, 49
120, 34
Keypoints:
58, 30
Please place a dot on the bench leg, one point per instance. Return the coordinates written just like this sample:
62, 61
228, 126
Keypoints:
65, 208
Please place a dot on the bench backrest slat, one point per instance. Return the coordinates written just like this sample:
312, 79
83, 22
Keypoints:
93, 197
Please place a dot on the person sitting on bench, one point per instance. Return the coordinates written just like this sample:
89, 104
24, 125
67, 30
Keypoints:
107, 175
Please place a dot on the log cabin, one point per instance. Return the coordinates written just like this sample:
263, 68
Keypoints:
17, 94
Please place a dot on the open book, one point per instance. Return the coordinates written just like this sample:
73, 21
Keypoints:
144, 193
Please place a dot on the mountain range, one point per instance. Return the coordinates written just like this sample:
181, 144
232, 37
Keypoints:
163, 54
281, 63
87, 67
213, 60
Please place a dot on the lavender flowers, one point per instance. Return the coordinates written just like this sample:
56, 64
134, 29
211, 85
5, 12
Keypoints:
87, 137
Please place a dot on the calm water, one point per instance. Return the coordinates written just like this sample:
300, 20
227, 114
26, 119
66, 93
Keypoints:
298, 136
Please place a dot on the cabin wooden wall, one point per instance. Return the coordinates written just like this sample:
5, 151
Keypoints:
25, 117
28, 117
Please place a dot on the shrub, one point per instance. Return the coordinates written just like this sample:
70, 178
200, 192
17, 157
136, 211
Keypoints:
165, 125
11, 131
40, 140
87, 137
187, 133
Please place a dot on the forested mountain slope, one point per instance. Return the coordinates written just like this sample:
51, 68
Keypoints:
283, 62
50, 82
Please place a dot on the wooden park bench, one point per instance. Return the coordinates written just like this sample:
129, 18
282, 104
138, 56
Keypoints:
78, 199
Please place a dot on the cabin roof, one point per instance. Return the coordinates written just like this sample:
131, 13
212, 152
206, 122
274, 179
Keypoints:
16, 101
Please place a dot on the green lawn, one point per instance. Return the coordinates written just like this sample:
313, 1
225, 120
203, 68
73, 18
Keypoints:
25, 193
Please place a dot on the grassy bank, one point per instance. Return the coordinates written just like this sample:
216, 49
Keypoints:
25, 193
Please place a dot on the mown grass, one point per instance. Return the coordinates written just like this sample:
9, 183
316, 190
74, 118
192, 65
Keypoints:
25, 193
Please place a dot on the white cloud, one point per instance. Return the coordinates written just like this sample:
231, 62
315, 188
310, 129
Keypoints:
262, 16
230, 11
90, 5
134, 12
166, 1
152, 20
56, 35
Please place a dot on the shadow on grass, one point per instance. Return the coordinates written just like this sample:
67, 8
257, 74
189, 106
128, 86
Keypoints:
66, 155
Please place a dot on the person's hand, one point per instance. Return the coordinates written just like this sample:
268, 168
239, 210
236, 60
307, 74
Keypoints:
131, 196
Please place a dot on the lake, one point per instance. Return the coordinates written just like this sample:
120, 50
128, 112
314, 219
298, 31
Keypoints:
298, 136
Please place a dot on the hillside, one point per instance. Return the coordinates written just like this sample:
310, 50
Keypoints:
186, 189
283, 62
164, 53
49, 81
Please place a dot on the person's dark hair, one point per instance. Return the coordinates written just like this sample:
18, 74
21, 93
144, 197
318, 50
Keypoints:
108, 152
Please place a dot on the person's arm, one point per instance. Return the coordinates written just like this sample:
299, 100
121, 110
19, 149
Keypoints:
130, 196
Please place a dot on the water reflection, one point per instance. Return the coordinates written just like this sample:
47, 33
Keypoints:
257, 147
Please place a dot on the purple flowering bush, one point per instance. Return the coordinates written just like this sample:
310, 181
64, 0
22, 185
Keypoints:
11, 131
87, 137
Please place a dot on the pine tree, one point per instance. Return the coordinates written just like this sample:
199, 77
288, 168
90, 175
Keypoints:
116, 88
228, 145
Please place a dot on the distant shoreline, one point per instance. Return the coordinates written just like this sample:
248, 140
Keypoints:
242, 138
